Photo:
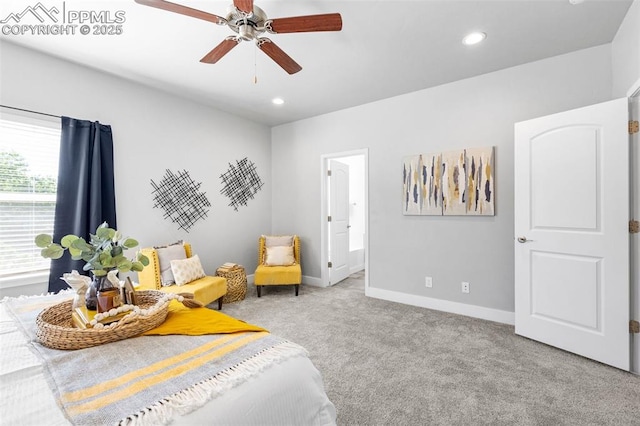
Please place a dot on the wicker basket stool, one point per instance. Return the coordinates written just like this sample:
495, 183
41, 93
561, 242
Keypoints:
236, 283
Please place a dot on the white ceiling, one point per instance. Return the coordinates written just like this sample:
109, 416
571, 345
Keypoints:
386, 48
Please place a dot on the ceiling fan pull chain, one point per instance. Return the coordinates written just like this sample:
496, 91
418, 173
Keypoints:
255, 64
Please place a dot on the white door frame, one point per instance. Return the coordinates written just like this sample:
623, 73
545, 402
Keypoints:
324, 212
634, 203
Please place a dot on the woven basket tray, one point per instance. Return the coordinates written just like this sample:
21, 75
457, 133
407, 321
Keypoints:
236, 283
55, 327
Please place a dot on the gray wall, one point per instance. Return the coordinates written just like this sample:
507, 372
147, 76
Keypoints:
625, 52
154, 131
479, 111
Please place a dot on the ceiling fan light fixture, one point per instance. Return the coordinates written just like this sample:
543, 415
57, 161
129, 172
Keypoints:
474, 38
277, 101
246, 32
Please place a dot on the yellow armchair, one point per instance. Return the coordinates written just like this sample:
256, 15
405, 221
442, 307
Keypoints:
278, 275
205, 290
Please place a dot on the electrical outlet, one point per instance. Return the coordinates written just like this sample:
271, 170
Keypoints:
465, 287
428, 282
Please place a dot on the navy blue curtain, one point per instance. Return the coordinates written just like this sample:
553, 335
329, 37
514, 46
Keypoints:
86, 193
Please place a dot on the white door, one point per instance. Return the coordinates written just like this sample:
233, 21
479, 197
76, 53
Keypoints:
571, 231
339, 224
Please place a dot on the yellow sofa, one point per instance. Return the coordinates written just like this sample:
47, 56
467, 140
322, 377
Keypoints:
205, 290
278, 275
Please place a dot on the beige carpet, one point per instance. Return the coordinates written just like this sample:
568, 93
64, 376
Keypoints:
385, 363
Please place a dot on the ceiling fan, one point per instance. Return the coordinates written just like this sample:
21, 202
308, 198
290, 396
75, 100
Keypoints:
250, 22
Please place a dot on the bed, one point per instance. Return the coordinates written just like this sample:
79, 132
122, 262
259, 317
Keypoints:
274, 383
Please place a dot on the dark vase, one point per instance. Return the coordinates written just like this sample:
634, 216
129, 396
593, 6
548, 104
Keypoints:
92, 293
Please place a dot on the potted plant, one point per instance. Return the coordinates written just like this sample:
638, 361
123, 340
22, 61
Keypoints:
103, 253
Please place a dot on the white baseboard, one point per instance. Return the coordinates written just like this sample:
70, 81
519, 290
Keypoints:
357, 268
312, 281
316, 282
481, 312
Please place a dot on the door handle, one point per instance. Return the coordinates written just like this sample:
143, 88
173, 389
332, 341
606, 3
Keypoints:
523, 240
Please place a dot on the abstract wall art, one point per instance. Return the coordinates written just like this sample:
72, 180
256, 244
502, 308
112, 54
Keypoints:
454, 183
480, 181
421, 177
240, 183
180, 198
450, 183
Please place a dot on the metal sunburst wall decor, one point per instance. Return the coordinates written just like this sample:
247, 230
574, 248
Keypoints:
240, 183
179, 196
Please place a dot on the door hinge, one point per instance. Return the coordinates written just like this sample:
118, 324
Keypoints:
634, 127
634, 326
330, 265
328, 218
634, 226
329, 171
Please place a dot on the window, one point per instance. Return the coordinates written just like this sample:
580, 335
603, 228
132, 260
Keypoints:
29, 150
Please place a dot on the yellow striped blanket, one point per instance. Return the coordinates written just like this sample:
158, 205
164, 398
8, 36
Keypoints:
148, 379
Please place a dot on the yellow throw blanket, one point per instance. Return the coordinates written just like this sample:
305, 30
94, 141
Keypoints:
199, 321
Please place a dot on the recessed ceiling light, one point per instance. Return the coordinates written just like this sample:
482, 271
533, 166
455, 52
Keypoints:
277, 101
574, 2
474, 38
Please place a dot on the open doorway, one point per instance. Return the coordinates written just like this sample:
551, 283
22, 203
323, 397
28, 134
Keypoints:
345, 214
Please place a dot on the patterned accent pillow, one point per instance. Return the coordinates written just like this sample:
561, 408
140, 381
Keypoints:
187, 270
279, 256
278, 240
165, 256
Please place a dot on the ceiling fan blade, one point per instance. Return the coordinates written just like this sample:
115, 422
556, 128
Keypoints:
301, 24
244, 5
220, 50
183, 10
278, 55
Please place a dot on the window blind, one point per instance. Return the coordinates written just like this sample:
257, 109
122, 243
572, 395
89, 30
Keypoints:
29, 151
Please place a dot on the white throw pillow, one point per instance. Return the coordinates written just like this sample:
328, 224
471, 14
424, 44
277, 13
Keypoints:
165, 256
187, 270
278, 240
280, 256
